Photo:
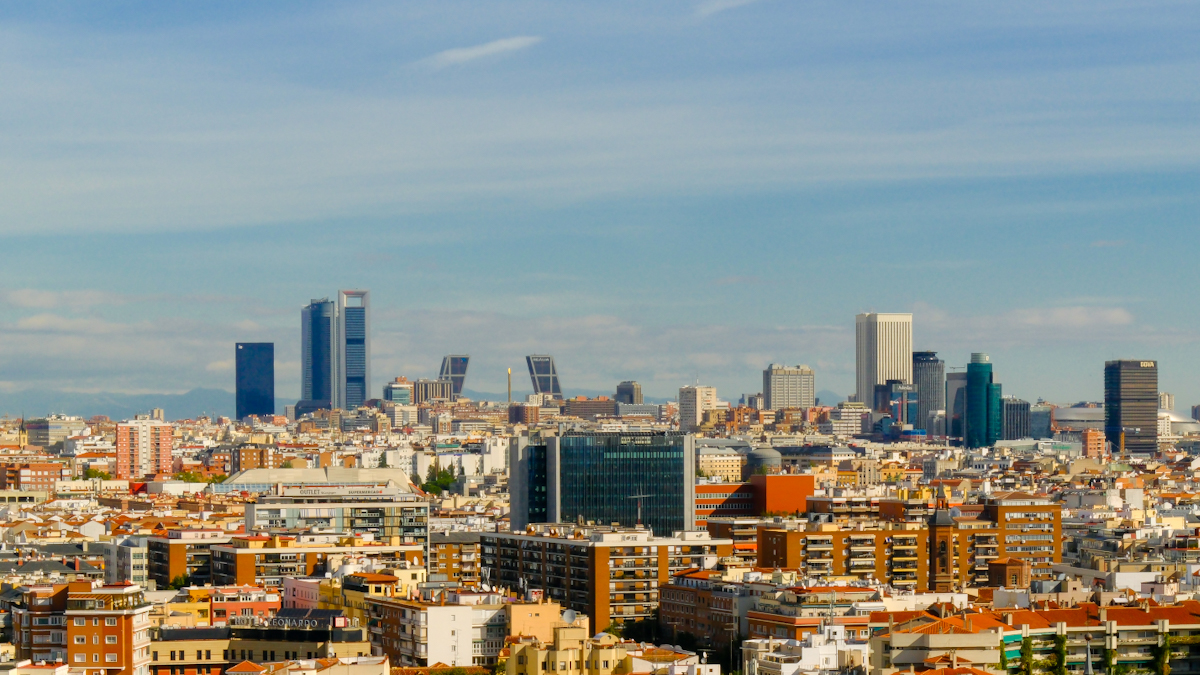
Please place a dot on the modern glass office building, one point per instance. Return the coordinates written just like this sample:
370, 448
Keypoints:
1131, 406
983, 418
544, 375
929, 374
603, 477
318, 324
956, 404
255, 378
454, 370
353, 349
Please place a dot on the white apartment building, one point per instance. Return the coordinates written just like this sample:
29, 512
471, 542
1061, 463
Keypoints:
883, 352
693, 401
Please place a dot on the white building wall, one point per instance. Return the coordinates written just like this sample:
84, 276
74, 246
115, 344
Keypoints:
450, 633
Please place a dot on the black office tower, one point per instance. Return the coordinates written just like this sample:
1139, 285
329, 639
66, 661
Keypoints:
629, 391
544, 375
255, 363
1131, 406
929, 374
318, 323
454, 370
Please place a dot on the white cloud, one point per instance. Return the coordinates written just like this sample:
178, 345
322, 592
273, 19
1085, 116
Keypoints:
454, 57
710, 7
30, 298
220, 366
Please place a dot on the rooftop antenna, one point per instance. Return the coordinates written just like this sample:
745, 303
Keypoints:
639, 498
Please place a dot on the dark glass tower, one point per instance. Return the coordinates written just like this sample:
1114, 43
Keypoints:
602, 477
255, 378
956, 404
983, 415
318, 323
543, 375
454, 370
929, 374
629, 392
353, 349
1131, 406
1016, 419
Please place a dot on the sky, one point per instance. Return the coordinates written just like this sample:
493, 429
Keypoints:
672, 192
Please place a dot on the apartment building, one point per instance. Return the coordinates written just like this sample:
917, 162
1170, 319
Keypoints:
27, 476
144, 448
611, 574
96, 629
259, 560
454, 556
184, 555
385, 511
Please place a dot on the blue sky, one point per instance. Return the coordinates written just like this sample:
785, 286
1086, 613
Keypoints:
658, 191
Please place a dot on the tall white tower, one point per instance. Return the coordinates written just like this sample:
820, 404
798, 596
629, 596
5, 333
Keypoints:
884, 352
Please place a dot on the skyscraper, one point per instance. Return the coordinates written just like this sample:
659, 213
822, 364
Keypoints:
786, 387
318, 371
544, 375
1131, 406
255, 378
929, 374
883, 351
1015, 418
454, 370
956, 404
1166, 401
353, 349
143, 448
983, 420
629, 392
693, 401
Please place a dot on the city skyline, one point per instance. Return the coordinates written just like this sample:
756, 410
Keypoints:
971, 171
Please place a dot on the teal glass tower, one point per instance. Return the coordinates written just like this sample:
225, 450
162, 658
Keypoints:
983, 418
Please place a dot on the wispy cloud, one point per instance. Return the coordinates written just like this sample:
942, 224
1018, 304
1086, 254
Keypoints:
1108, 243
710, 7
461, 55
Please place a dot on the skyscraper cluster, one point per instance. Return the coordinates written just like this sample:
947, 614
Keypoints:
335, 352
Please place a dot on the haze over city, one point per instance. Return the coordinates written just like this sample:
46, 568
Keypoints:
666, 192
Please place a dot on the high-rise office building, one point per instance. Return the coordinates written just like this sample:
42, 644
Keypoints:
789, 387
255, 378
1166, 401
425, 391
956, 404
1196, 412
1041, 421
693, 401
900, 400
929, 374
983, 419
544, 375
883, 351
1131, 406
629, 392
1014, 419
604, 477
454, 370
353, 348
318, 371
143, 448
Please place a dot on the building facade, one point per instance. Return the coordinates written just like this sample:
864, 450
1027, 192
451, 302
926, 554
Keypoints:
254, 379
143, 448
544, 375
1015, 419
454, 371
629, 392
1131, 406
694, 401
929, 375
353, 349
789, 387
982, 418
318, 358
883, 351
385, 511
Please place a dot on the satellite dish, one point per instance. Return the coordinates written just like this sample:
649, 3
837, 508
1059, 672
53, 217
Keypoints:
569, 616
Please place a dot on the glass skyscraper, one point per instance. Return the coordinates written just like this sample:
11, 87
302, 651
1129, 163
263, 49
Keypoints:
255, 378
544, 375
956, 404
1131, 406
454, 370
353, 349
318, 325
983, 417
602, 477
929, 374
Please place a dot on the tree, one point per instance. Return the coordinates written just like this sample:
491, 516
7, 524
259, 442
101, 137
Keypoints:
383, 460
96, 473
219, 478
179, 582
286, 465
1026, 657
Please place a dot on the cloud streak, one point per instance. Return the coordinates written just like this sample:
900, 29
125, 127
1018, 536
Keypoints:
710, 7
461, 55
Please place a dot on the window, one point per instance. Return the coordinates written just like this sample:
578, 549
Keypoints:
172, 656
96, 639
95, 657
110, 621
207, 655
110, 639
154, 656
95, 622
110, 658
80, 622
80, 640
198, 654
81, 658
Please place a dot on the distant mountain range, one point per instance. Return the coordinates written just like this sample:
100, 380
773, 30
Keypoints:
213, 402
